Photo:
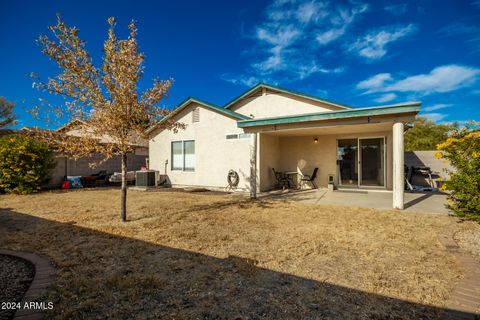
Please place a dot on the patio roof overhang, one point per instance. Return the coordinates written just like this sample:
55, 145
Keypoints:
404, 112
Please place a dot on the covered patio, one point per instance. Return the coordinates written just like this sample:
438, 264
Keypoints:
359, 149
425, 202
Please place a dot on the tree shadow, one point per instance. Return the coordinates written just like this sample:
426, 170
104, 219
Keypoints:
415, 201
104, 275
294, 195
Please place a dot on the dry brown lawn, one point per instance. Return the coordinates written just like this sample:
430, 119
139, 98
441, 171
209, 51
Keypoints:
207, 256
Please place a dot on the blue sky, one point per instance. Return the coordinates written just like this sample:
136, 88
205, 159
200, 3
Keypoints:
353, 52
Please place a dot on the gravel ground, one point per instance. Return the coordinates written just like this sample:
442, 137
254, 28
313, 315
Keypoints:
15, 278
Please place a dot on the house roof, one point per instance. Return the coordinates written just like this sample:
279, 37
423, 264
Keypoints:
295, 93
6, 132
205, 104
72, 124
408, 107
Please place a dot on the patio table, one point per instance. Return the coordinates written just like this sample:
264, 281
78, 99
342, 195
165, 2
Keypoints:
294, 176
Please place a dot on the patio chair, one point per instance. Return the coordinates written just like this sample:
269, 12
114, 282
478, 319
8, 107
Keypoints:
282, 180
311, 179
94, 179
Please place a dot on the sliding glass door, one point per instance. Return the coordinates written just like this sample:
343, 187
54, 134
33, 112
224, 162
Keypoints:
372, 172
347, 159
361, 162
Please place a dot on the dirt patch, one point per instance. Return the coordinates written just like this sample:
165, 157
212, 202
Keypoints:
15, 277
196, 255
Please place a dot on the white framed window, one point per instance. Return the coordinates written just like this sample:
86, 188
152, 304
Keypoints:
237, 136
189, 155
183, 155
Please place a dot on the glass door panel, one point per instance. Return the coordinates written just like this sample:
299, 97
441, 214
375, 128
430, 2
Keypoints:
347, 162
372, 172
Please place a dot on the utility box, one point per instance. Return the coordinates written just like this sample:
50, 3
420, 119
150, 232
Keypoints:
331, 179
331, 182
145, 178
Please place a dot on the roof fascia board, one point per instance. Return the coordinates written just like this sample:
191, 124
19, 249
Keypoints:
205, 104
413, 107
298, 94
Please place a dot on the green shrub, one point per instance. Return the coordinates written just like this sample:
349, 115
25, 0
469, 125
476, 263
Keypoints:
462, 150
25, 164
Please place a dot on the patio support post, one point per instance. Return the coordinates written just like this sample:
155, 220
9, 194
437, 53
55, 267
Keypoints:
398, 166
253, 166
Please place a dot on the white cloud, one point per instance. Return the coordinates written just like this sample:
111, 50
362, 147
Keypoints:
330, 35
441, 79
272, 63
386, 97
396, 9
283, 40
348, 15
248, 81
304, 71
280, 37
435, 107
311, 10
373, 44
375, 82
434, 116
339, 23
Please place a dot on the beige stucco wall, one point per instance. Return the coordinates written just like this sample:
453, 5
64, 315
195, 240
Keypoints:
215, 155
269, 157
278, 104
302, 154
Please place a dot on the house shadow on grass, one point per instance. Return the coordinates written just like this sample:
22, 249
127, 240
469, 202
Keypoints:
103, 275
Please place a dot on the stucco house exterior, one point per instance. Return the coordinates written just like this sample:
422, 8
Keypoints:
270, 127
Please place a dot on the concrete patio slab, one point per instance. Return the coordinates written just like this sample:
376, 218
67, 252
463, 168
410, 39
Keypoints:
427, 202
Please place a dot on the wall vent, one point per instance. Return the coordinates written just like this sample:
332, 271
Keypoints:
196, 115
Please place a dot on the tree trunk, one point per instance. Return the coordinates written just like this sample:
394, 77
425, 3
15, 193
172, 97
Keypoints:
124, 187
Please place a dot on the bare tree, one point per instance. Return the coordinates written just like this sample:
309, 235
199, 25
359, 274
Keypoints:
105, 98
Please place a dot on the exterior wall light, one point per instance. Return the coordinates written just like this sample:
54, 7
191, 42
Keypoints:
315, 140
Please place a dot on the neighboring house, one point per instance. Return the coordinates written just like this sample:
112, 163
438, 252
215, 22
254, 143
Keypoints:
287, 131
66, 166
78, 128
6, 132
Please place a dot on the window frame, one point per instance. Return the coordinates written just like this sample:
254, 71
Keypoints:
194, 155
232, 136
182, 168
237, 136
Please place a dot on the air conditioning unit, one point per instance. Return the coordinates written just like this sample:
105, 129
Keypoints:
145, 178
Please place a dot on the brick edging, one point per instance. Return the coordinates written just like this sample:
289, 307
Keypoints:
464, 302
42, 279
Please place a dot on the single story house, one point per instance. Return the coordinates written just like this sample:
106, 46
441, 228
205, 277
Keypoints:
268, 127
